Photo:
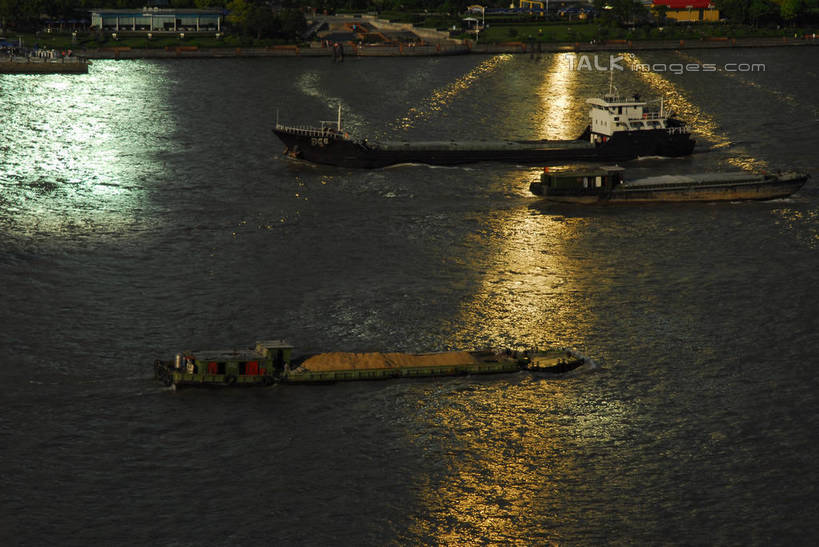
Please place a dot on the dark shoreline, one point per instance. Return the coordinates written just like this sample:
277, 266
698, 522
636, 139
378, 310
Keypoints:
449, 49
75, 65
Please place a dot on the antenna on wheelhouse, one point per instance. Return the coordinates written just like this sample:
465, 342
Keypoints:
338, 123
611, 80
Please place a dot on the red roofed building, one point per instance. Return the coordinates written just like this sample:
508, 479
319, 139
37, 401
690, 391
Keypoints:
688, 10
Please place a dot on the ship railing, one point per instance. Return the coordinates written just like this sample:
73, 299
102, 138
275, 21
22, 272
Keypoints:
651, 115
309, 131
617, 98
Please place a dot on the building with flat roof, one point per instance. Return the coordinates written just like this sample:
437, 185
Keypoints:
158, 20
689, 10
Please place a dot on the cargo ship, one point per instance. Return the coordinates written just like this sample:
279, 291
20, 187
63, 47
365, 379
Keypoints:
606, 184
271, 362
620, 129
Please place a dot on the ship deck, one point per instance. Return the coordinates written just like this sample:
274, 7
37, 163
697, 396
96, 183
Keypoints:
695, 179
226, 355
488, 146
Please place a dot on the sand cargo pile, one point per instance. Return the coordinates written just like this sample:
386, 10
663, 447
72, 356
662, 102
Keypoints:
335, 366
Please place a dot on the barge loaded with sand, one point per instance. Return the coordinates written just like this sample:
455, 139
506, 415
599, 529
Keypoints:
270, 362
620, 129
604, 185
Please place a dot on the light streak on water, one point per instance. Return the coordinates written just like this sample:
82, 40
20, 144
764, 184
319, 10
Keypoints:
558, 99
309, 84
83, 146
440, 98
528, 294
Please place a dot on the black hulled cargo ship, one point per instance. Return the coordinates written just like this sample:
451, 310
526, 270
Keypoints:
620, 129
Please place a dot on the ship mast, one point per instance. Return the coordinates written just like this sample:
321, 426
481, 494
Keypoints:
338, 123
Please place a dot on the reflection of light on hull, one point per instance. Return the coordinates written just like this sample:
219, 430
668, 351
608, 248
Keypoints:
440, 98
557, 100
698, 121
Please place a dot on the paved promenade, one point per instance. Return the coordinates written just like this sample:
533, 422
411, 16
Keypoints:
443, 49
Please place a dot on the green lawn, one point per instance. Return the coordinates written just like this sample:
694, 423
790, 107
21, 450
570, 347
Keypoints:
548, 32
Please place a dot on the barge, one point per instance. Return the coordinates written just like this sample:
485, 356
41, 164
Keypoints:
604, 185
620, 129
271, 362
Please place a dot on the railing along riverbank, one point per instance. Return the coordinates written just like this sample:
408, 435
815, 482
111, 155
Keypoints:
40, 65
404, 50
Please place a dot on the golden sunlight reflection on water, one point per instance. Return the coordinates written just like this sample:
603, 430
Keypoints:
529, 294
504, 447
504, 451
442, 97
558, 99
500, 467
801, 223
80, 147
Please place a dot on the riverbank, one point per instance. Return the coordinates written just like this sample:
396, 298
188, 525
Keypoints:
645, 45
193, 52
189, 52
35, 65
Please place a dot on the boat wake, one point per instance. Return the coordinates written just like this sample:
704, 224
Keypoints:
645, 158
428, 166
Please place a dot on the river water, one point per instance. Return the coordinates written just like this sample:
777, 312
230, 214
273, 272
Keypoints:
146, 208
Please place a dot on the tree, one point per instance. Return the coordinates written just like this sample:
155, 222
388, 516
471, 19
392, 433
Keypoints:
621, 11
735, 11
293, 23
662, 13
791, 9
257, 19
261, 22
239, 10
63, 9
760, 9
19, 12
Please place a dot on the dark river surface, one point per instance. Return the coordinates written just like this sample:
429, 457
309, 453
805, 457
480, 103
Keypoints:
146, 208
